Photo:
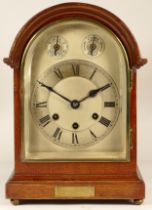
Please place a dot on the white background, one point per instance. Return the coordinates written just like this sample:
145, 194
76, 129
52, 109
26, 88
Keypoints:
137, 14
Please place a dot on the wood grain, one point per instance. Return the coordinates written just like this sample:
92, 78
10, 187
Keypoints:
118, 180
106, 187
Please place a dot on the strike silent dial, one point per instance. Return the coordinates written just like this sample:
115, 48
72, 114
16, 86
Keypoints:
93, 45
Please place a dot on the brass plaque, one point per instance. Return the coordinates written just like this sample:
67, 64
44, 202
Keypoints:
74, 191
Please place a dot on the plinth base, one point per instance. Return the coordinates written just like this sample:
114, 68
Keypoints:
124, 187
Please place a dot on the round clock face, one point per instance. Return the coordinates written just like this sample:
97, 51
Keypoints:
93, 45
57, 46
75, 103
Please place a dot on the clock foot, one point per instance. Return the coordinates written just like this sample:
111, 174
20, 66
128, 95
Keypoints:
137, 201
15, 202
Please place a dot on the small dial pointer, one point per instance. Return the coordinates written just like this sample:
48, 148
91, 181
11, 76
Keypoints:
56, 46
92, 46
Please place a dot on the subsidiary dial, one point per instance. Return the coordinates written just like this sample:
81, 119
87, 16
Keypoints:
93, 45
57, 46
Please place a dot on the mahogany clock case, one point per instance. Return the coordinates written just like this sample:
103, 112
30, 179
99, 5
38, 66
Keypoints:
75, 180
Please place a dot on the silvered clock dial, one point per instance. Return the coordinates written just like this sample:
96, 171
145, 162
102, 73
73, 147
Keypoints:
75, 103
57, 46
93, 45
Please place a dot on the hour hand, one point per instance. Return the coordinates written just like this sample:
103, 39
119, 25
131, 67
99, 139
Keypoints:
54, 91
93, 93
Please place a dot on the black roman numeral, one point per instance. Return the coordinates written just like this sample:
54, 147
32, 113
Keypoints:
57, 134
76, 69
105, 121
92, 134
41, 104
74, 138
109, 104
58, 73
92, 75
45, 120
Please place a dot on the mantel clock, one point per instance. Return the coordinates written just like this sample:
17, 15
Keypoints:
75, 107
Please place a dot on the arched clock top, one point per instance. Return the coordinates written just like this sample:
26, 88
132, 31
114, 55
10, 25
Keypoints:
72, 10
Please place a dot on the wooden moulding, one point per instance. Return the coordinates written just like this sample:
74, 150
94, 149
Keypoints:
70, 10
93, 188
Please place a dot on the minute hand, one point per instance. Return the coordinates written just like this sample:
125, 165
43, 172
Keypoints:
54, 91
93, 93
